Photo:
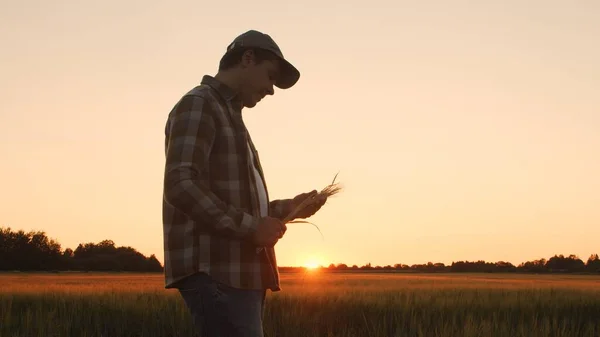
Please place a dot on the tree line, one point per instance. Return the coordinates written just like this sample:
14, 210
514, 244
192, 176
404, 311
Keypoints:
555, 264
34, 251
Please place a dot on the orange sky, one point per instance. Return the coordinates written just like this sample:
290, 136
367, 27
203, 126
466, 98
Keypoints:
461, 131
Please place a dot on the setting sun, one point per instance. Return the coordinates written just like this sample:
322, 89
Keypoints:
311, 265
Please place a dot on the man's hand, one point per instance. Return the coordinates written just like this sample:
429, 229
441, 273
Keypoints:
268, 232
312, 207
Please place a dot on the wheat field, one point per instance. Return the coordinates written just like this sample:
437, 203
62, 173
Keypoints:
314, 303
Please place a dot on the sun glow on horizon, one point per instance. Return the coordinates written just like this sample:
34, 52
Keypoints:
313, 263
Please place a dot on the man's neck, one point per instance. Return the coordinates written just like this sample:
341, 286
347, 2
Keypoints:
229, 80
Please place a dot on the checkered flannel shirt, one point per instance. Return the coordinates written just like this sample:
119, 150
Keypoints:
210, 201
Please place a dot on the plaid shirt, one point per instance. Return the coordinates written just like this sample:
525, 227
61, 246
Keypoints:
210, 201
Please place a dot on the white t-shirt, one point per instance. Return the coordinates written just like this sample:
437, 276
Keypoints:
260, 187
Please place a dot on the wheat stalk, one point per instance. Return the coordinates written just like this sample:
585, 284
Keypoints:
329, 190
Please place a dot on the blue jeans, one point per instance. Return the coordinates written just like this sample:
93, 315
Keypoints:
219, 310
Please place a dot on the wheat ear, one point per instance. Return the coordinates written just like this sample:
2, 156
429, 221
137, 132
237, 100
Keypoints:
329, 190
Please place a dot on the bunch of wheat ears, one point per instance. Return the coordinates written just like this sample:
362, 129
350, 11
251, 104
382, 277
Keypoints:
330, 190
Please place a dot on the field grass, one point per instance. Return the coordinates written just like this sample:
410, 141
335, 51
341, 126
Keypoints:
312, 304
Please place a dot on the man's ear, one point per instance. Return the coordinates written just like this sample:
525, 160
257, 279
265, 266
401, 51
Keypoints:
248, 58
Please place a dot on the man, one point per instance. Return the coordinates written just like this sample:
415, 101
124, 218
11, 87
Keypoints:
219, 225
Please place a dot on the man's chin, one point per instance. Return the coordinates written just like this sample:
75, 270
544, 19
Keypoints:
250, 105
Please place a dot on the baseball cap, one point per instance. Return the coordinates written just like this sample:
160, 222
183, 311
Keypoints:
288, 75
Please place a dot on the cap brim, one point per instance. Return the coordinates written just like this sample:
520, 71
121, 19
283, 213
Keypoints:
288, 75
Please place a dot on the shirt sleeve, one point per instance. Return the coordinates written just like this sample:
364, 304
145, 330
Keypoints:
190, 136
280, 208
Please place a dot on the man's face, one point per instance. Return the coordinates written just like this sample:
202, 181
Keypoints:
259, 79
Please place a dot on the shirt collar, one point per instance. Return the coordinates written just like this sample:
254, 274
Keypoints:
227, 93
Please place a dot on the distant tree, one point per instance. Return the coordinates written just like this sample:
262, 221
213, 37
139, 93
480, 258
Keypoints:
536, 266
153, 265
460, 267
68, 253
593, 264
502, 266
28, 251
560, 263
35, 251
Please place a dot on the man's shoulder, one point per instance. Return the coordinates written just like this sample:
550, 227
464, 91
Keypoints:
199, 97
202, 91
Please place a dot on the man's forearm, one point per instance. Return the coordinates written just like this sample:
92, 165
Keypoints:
192, 197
